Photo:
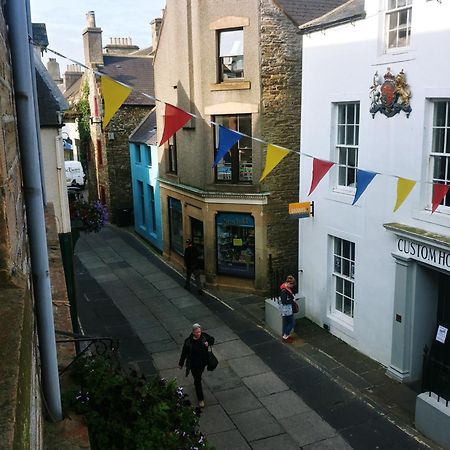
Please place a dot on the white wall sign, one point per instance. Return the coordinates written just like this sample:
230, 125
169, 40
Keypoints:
424, 253
441, 334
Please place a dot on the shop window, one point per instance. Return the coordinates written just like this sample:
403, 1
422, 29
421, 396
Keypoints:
235, 235
344, 277
440, 146
231, 55
398, 23
148, 156
237, 165
176, 225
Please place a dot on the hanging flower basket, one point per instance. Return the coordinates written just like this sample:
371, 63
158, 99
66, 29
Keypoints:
88, 216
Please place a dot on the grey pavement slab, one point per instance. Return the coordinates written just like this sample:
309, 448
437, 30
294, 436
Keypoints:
256, 424
264, 384
333, 443
166, 360
154, 334
157, 276
175, 291
281, 441
247, 366
176, 322
232, 349
105, 278
161, 346
183, 300
195, 313
179, 335
215, 420
163, 285
221, 334
209, 322
238, 400
228, 440
284, 404
307, 428
221, 379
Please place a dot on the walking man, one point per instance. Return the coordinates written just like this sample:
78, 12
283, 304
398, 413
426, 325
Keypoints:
192, 266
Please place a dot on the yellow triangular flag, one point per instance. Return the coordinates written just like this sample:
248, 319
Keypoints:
114, 94
273, 156
404, 187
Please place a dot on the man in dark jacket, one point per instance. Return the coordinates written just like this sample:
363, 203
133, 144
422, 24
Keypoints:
191, 263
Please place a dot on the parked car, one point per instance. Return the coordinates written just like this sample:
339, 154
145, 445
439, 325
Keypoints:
75, 176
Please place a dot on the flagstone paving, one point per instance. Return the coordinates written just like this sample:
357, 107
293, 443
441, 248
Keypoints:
262, 395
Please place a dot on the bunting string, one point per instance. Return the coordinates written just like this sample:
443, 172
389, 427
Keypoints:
115, 93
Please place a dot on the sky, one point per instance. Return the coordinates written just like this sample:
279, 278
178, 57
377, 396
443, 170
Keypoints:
66, 19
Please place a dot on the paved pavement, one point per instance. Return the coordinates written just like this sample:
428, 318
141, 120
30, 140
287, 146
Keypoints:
264, 394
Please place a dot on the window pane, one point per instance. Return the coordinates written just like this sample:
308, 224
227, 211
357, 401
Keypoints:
350, 135
245, 126
438, 140
341, 114
440, 109
348, 307
232, 43
337, 264
440, 164
352, 157
351, 114
341, 134
339, 302
342, 181
351, 177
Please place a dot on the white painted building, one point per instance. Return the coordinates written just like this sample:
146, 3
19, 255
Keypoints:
379, 280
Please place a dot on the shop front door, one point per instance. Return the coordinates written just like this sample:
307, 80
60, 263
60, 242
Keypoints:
197, 239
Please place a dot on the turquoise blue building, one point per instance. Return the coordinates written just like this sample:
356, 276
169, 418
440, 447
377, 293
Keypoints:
144, 175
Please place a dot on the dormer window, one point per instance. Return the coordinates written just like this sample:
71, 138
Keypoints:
231, 54
398, 23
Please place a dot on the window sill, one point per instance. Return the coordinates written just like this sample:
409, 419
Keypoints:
342, 195
230, 86
437, 218
340, 325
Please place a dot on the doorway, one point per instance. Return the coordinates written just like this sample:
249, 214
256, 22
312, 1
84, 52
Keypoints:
197, 239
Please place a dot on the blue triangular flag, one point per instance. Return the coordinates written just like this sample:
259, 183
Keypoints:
227, 138
363, 179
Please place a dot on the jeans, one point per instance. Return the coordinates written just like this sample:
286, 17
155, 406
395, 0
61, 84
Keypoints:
288, 324
197, 374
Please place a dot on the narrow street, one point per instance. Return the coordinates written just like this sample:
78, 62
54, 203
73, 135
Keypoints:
262, 396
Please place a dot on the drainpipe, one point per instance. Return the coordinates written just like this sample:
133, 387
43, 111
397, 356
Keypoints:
16, 16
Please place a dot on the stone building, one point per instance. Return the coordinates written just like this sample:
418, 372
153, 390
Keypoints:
237, 63
107, 157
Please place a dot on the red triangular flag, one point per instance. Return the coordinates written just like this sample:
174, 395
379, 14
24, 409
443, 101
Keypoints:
439, 192
320, 168
174, 119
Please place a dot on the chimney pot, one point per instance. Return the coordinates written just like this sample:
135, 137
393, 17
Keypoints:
90, 17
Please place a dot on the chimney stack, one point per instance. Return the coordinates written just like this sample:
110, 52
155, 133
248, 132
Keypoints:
92, 40
120, 46
72, 74
155, 25
53, 70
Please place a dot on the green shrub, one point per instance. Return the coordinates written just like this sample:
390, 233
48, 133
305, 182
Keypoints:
127, 411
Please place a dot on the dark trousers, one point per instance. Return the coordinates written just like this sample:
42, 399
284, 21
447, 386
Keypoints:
196, 272
197, 374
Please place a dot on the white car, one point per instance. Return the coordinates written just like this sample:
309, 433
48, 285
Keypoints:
74, 174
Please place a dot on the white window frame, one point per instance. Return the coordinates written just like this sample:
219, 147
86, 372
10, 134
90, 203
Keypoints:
441, 151
343, 148
343, 274
397, 8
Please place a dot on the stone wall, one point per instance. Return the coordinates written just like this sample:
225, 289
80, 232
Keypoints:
281, 60
117, 156
16, 318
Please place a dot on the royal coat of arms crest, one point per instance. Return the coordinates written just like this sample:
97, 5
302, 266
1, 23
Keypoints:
392, 96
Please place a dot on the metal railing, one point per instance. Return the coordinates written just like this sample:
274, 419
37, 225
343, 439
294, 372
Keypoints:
436, 377
94, 345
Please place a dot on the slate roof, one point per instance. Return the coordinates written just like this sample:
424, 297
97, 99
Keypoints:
303, 11
50, 99
350, 11
135, 71
145, 133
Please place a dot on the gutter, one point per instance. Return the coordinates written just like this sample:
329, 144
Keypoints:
17, 20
